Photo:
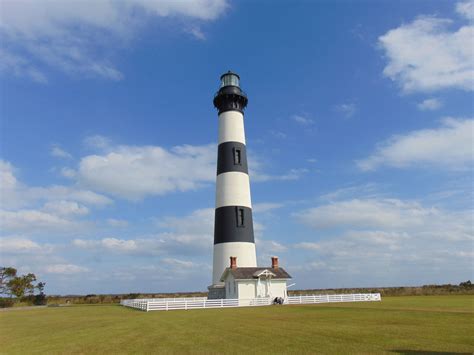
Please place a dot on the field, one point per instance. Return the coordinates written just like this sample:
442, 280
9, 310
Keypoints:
407, 325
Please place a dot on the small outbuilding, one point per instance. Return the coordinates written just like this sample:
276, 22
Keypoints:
255, 282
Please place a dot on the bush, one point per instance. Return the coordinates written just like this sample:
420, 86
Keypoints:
6, 302
466, 284
40, 300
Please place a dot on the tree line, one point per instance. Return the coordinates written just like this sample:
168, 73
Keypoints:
23, 288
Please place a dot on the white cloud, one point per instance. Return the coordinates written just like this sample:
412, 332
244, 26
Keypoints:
430, 104
346, 109
65, 269
34, 221
68, 173
447, 147
48, 32
97, 142
293, 174
367, 190
466, 9
365, 213
425, 55
161, 244
265, 207
66, 208
308, 246
278, 134
389, 215
112, 244
389, 241
119, 223
8, 180
58, 152
21, 245
187, 235
256, 175
53, 209
180, 264
303, 120
196, 32
120, 245
69, 192
268, 247
133, 172
20, 67
200, 221
16, 194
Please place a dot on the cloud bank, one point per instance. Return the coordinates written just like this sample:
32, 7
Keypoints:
446, 147
79, 37
428, 55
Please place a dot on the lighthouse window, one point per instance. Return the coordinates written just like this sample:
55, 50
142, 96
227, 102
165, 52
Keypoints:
230, 80
240, 217
237, 156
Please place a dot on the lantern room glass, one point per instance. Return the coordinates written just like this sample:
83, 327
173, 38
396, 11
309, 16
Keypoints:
229, 80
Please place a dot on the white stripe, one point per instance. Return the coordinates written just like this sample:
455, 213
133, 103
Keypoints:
231, 127
245, 253
233, 189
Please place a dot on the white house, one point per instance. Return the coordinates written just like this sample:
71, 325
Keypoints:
254, 282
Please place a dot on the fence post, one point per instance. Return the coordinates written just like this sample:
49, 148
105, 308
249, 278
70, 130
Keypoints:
185, 304
166, 302
147, 308
222, 302
300, 299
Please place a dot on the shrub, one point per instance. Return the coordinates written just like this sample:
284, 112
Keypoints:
40, 300
6, 302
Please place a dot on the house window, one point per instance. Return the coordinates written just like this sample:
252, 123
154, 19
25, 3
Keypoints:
240, 217
237, 156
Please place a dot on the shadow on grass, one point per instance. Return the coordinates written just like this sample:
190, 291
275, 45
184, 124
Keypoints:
423, 352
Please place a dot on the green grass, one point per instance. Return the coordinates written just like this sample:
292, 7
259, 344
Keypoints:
396, 325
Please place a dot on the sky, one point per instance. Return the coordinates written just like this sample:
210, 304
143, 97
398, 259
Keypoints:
359, 134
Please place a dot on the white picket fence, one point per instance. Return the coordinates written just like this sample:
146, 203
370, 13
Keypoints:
352, 297
168, 304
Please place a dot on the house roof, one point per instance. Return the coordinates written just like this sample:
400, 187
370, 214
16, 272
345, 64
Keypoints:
246, 273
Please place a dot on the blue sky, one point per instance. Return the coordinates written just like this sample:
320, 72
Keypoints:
359, 134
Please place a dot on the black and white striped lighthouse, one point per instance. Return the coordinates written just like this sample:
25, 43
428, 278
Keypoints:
233, 225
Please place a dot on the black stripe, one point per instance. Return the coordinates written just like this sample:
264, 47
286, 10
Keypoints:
230, 98
226, 225
231, 156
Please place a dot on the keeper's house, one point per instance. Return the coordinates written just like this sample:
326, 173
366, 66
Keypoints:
254, 282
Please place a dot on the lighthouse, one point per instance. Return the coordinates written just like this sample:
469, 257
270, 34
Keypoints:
233, 224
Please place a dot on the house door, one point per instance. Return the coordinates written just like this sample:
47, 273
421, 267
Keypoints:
263, 287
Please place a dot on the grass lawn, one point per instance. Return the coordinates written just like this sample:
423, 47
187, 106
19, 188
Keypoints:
412, 325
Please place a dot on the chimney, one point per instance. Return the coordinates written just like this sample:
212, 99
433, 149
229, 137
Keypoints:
274, 262
233, 262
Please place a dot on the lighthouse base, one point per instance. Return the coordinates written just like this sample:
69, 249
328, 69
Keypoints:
216, 292
243, 251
